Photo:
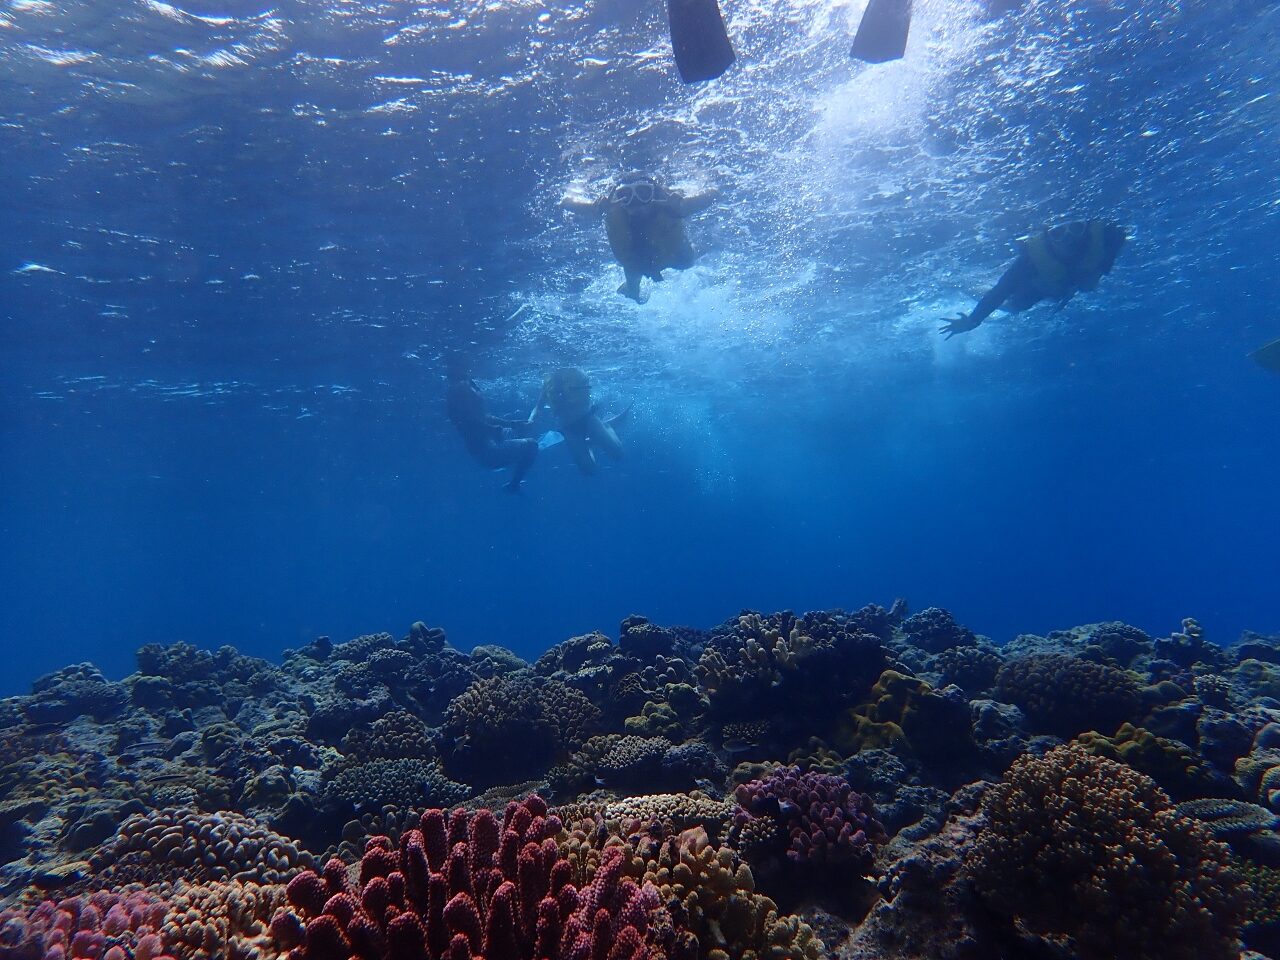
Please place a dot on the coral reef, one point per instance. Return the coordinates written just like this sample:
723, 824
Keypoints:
892, 785
177, 844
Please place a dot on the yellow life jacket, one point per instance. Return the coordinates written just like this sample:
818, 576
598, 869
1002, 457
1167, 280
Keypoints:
1060, 277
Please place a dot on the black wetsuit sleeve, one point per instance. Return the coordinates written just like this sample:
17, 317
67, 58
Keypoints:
1020, 274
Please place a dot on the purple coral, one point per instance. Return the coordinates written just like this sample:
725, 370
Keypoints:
817, 817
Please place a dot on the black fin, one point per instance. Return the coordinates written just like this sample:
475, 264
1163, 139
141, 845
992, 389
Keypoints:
699, 40
882, 35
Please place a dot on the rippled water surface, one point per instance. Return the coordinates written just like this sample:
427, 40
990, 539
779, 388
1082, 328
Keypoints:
240, 238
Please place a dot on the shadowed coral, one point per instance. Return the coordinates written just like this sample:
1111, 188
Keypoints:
1065, 695
972, 668
1084, 850
512, 727
774, 664
396, 736
74, 691
400, 783
1173, 765
934, 629
905, 712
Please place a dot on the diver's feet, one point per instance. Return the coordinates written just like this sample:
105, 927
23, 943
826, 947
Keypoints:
632, 293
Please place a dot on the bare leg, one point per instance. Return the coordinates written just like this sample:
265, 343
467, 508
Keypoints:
524, 452
631, 288
581, 450
603, 437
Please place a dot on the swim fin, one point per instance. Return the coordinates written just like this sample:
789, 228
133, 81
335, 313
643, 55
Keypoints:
698, 39
882, 35
1269, 356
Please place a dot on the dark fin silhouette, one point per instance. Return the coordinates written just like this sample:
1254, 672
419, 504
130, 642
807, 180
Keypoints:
699, 40
882, 35
619, 418
1268, 356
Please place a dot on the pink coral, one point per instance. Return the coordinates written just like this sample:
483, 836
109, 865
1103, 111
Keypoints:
812, 816
466, 886
105, 925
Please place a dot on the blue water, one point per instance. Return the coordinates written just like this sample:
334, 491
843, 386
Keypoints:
239, 241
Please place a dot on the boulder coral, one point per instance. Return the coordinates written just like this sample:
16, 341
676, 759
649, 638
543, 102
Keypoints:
1082, 850
1065, 696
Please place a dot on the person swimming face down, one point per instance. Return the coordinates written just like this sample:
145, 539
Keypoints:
644, 221
1054, 264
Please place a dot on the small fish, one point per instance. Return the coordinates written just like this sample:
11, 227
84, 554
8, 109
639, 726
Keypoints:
738, 745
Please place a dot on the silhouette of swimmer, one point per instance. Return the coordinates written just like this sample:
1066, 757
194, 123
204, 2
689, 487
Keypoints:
644, 221
1055, 264
493, 442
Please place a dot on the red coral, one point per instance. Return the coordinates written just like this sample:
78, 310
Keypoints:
818, 817
470, 888
97, 926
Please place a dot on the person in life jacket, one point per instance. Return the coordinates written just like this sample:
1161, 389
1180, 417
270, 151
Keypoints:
1055, 264
644, 221
492, 441
566, 397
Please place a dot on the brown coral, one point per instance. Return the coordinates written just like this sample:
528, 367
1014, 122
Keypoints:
229, 920
1083, 850
184, 844
1065, 695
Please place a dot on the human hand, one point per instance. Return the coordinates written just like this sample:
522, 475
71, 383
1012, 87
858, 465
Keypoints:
962, 323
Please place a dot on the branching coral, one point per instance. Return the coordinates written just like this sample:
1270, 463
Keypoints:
467, 886
101, 926
811, 816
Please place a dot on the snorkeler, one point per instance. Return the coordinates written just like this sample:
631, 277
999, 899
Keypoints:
1055, 264
566, 395
492, 441
644, 221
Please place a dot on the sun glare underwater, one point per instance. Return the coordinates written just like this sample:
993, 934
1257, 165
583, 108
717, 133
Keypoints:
639, 480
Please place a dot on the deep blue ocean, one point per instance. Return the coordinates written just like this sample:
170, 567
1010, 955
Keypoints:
238, 241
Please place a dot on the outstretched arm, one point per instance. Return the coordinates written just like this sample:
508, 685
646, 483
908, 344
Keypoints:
576, 203
538, 407
696, 203
1017, 275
